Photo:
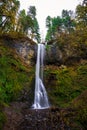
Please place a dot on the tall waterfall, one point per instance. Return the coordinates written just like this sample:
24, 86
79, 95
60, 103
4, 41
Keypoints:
40, 99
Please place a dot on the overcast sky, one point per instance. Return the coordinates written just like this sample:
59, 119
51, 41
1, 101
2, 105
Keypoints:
48, 7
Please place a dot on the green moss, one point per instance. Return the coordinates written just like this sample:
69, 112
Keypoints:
13, 75
80, 104
2, 120
65, 83
67, 87
2, 116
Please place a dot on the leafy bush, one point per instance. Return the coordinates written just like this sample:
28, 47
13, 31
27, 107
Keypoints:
2, 120
65, 83
80, 103
13, 75
2, 116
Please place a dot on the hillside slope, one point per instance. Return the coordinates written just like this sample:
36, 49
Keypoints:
16, 76
66, 84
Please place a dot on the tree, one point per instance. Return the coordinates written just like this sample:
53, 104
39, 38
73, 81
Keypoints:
24, 22
81, 15
68, 22
56, 25
8, 14
49, 28
84, 2
32, 12
81, 26
48, 22
34, 29
28, 24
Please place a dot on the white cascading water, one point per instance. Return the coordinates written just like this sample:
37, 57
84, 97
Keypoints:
40, 99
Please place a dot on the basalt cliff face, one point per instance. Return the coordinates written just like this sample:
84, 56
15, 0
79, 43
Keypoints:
65, 79
24, 47
56, 54
65, 54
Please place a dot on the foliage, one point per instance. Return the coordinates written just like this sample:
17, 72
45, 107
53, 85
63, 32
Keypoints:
8, 13
81, 17
13, 75
80, 103
58, 25
32, 12
68, 23
67, 87
2, 116
66, 83
34, 29
2, 120
13, 20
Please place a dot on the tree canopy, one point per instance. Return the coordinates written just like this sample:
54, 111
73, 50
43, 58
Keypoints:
13, 20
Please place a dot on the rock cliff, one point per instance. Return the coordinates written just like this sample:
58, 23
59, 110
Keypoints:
24, 47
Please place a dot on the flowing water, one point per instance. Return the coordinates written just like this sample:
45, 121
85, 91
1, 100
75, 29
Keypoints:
40, 99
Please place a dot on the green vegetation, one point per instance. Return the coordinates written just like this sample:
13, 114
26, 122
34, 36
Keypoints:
15, 78
68, 23
2, 116
80, 104
66, 84
58, 25
67, 87
13, 20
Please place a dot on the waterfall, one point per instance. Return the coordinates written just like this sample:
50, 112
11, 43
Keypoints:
40, 98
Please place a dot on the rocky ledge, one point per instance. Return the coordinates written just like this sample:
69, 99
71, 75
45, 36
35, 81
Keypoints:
21, 117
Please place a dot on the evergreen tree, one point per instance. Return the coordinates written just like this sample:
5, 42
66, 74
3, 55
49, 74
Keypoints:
49, 28
8, 14
81, 15
68, 22
34, 29
32, 12
24, 22
57, 25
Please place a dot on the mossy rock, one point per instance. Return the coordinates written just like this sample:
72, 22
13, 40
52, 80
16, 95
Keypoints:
80, 103
65, 83
2, 115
